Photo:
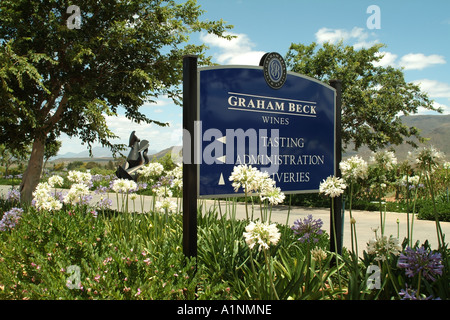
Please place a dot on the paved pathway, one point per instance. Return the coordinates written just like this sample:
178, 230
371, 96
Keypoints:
366, 221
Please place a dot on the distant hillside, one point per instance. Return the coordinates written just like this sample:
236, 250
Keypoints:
97, 152
174, 150
103, 155
436, 128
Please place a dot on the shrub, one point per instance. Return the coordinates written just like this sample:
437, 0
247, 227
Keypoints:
72, 254
426, 210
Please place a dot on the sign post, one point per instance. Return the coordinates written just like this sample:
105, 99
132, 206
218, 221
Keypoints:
337, 84
189, 151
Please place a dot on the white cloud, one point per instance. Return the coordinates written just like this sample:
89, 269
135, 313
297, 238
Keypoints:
419, 61
159, 102
238, 51
410, 61
359, 36
388, 59
434, 88
445, 109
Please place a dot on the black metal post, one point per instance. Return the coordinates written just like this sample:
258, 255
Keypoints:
189, 152
337, 228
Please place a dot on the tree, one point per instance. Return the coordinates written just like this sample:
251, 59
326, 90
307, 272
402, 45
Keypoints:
51, 149
373, 97
8, 157
75, 66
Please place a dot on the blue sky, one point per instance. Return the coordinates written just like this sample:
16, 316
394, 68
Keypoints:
416, 34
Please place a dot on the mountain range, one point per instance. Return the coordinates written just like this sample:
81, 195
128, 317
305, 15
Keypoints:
435, 128
97, 152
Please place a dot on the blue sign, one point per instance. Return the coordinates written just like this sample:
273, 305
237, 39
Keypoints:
286, 129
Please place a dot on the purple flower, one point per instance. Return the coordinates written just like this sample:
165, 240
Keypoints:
10, 219
104, 203
85, 199
309, 229
142, 185
411, 294
13, 195
421, 261
101, 190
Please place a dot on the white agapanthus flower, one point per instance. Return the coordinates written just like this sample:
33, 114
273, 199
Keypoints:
446, 165
426, 157
177, 172
79, 177
383, 247
151, 170
354, 168
252, 180
246, 177
318, 254
177, 184
43, 200
262, 234
42, 190
166, 205
384, 159
274, 195
77, 193
124, 186
51, 204
55, 181
407, 181
162, 192
332, 186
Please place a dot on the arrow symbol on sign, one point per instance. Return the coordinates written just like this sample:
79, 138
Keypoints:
221, 159
223, 139
221, 180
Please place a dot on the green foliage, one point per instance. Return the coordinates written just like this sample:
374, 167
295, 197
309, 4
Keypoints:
229, 261
119, 257
75, 165
123, 55
372, 96
426, 210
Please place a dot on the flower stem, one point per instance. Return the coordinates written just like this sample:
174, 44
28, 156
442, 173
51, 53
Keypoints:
352, 234
414, 210
270, 275
254, 274
335, 242
391, 277
418, 285
289, 209
440, 236
246, 205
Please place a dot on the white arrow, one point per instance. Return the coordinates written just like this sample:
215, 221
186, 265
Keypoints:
221, 180
221, 159
223, 139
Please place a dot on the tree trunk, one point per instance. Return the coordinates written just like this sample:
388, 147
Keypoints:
32, 174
